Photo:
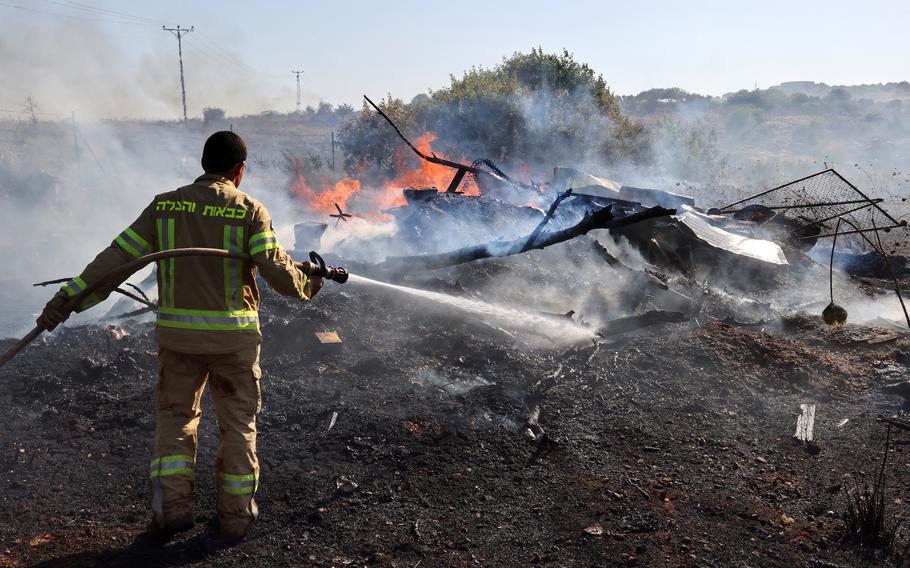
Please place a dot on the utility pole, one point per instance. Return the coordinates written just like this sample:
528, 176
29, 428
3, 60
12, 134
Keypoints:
30, 109
178, 33
298, 87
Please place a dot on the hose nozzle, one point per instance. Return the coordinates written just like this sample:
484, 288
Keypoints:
317, 267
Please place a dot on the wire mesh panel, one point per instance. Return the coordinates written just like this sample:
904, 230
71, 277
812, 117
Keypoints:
817, 202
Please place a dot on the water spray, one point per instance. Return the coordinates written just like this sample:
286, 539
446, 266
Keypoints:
553, 328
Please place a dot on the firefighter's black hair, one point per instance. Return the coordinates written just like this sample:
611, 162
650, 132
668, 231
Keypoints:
223, 150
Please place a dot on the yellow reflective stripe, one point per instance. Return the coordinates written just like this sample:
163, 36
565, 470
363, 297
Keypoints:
74, 286
262, 235
166, 267
213, 313
305, 280
264, 247
171, 244
130, 241
170, 459
208, 319
240, 477
233, 268
171, 465
143, 244
162, 264
238, 484
127, 247
165, 322
260, 242
228, 273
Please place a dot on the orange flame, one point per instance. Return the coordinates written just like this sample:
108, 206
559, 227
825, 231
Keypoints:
325, 199
371, 202
429, 174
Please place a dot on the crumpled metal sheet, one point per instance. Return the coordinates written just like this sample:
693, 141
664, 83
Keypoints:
652, 197
759, 249
583, 183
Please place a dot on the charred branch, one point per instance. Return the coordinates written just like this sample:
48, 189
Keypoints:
461, 169
144, 300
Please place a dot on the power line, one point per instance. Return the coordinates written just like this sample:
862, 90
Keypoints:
178, 33
221, 60
227, 56
29, 112
105, 11
91, 152
70, 16
208, 57
298, 87
206, 45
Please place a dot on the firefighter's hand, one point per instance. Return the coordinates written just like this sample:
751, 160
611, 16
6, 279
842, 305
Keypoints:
50, 318
315, 285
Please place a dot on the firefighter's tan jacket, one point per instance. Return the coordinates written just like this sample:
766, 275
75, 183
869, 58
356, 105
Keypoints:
207, 305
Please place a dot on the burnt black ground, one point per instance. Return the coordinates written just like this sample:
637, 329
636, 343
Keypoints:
678, 443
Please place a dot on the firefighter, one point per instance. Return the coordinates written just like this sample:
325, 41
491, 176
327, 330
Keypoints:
207, 331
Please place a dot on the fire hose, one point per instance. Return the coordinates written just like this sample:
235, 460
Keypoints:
316, 267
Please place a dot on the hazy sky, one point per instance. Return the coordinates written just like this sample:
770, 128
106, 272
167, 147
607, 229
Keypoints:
84, 55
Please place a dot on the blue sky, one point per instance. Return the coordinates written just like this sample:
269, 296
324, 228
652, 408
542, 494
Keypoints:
406, 47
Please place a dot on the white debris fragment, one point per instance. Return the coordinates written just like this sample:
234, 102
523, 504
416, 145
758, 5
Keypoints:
805, 423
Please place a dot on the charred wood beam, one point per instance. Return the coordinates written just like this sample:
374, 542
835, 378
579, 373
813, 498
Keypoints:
610, 258
456, 181
600, 219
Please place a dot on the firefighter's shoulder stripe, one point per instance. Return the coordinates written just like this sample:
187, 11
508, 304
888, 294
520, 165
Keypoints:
130, 241
261, 242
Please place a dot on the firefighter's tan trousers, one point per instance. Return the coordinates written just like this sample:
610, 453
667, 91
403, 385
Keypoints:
234, 379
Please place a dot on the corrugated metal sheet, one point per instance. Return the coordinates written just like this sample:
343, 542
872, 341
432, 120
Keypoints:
759, 249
